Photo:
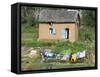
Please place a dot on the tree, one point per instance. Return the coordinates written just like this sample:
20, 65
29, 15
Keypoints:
87, 31
30, 15
88, 17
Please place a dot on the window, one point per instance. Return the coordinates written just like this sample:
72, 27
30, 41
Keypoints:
65, 33
52, 31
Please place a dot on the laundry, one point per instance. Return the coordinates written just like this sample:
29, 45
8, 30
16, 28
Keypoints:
81, 54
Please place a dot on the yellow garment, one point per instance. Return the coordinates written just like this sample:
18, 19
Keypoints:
73, 58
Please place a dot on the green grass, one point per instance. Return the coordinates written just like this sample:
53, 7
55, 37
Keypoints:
29, 39
29, 29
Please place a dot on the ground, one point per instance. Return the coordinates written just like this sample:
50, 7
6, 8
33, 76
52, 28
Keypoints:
34, 63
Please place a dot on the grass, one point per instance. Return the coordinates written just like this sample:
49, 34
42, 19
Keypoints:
40, 66
33, 63
29, 39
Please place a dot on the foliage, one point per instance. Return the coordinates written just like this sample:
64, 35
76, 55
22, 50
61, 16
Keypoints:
84, 35
88, 18
30, 15
29, 29
68, 47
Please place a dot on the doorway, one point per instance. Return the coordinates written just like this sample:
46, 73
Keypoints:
65, 33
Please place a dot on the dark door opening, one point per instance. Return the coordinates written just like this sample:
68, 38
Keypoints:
67, 33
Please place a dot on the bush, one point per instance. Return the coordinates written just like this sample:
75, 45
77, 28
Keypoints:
29, 29
78, 46
68, 47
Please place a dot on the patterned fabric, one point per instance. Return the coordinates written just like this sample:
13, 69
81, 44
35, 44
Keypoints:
74, 58
81, 54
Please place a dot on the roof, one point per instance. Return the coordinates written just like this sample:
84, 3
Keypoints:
61, 15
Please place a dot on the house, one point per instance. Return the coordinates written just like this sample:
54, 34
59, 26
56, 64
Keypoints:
58, 24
